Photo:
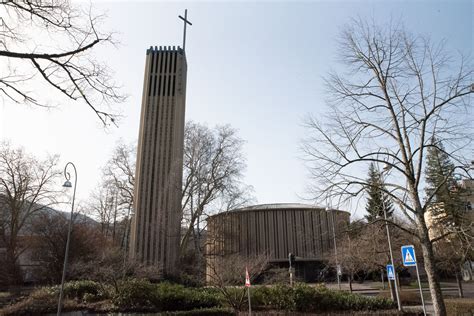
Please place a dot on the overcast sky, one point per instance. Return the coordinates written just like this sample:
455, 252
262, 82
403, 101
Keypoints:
256, 66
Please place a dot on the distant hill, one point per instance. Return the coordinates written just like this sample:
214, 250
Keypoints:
43, 210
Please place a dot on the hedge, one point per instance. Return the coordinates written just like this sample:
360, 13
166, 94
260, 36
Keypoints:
305, 298
136, 295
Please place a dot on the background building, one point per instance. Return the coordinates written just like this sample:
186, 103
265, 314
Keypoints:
155, 231
439, 223
275, 230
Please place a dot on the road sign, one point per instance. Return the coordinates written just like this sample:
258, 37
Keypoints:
409, 259
247, 278
390, 272
408, 256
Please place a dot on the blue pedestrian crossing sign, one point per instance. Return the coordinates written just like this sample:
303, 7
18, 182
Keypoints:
390, 272
408, 256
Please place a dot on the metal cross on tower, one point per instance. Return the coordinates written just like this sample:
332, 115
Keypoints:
186, 22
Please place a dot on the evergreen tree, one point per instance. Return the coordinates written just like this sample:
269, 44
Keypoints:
377, 199
441, 184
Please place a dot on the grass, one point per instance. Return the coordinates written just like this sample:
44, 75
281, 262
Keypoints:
407, 298
459, 306
414, 285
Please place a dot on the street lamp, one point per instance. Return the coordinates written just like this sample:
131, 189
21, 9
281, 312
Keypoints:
67, 184
387, 169
335, 249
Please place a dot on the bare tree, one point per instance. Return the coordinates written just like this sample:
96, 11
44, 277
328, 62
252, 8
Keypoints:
213, 169
26, 187
112, 201
456, 245
227, 273
452, 253
102, 207
352, 254
50, 235
120, 173
362, 248
399, 92
120, 169
53, 40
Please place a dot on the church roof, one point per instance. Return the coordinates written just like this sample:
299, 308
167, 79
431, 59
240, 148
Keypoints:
277, 206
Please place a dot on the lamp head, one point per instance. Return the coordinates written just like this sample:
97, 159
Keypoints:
67, 184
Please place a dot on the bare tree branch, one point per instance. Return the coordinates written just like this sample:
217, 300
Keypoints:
62, 58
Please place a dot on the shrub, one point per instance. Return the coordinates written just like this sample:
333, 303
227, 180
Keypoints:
234, 297
204, 311
134, 294
260, 295
305, 298
281, 296
141, 295
169, 296
84, 290
202, 298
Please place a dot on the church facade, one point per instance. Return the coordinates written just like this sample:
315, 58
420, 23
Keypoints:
155, 230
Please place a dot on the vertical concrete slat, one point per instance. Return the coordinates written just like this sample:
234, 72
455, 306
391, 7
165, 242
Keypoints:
156, 147
146, 168
138, 166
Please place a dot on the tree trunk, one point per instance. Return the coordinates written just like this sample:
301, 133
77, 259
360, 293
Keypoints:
383, 280
13, 276
350, 282
459, 282
430, 267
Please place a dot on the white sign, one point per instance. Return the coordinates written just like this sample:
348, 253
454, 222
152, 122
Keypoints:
247, 277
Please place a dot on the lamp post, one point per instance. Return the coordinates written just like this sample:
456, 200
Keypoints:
67, 184
335, 248
395, 281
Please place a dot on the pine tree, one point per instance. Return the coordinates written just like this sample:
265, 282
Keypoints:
441, 184
377, 199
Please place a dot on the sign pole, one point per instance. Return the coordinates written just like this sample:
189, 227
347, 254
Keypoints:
291, 259
409, 260
421, 291
247, 285
250, 305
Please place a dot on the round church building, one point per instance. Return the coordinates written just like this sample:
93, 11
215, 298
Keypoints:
272, 232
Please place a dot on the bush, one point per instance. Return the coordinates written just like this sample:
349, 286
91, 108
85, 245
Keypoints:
282, 296
141, 295
134, 295
84, 290
305, 298
234, 297
169, 296
204, 311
